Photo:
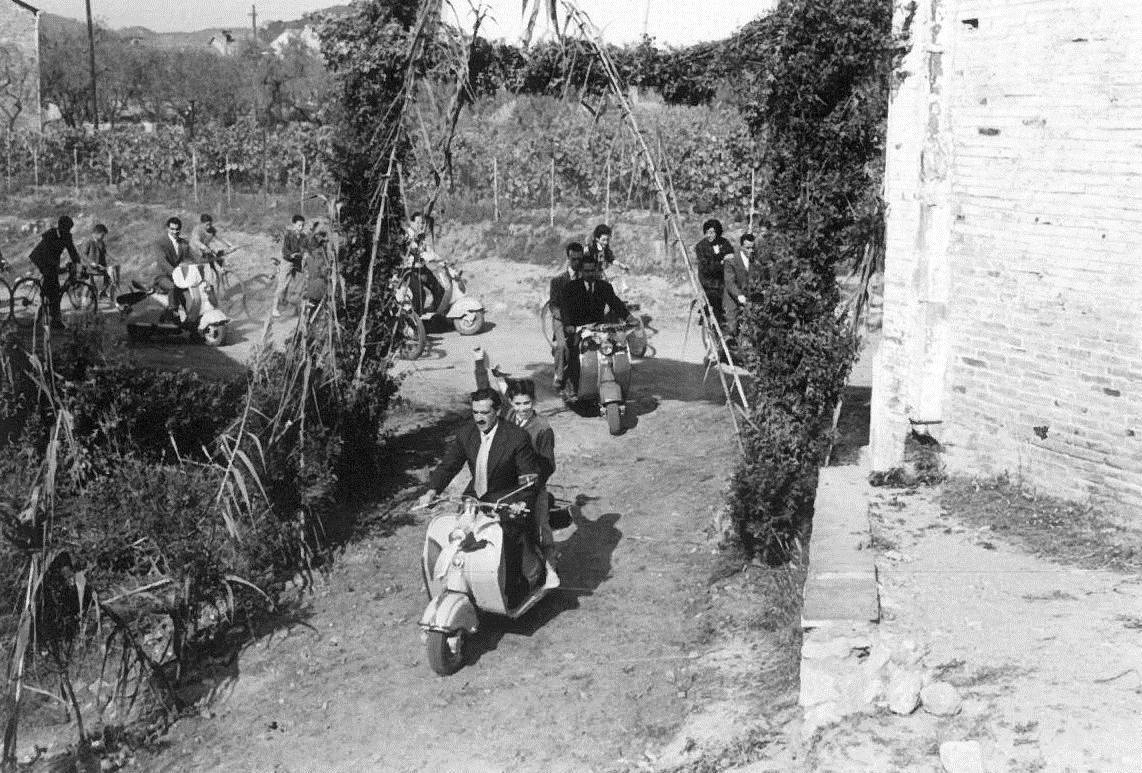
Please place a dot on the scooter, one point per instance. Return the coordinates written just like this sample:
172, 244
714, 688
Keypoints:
463, 567
148, 312
604, 369
465, 311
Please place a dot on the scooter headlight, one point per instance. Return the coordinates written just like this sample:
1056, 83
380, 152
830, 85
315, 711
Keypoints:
456, 535
607, 348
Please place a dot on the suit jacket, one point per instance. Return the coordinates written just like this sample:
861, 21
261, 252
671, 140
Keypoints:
710, 257
736, 277
581, 307
167, 257
510, 456
45, 255
555, 296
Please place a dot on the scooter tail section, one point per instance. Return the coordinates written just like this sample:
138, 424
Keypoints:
213, 317
464, 306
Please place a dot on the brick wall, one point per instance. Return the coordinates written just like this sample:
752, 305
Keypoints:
1013, 301
20, 63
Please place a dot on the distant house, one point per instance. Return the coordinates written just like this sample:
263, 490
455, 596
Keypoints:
306, 35
19, 67
223, 43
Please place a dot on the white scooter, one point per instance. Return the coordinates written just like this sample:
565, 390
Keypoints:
466, 312
463, 569
148, 312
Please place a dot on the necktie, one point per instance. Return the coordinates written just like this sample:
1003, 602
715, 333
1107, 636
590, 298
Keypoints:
590, 288
481, 477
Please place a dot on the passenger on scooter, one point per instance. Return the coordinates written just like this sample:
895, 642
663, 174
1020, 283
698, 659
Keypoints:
586, 301
171, 250
555, 301
521, 396
600, 247
500, 458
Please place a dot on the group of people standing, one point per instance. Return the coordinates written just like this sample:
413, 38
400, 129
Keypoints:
724, 274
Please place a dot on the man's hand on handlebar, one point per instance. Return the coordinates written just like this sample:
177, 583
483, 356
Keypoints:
425, 499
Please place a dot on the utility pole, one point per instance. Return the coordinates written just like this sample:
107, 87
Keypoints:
91, 63
254, 20
646, 19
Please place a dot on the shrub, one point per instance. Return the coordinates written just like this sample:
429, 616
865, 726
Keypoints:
819, 105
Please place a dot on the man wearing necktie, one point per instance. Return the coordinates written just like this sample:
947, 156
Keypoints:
586, 301
501, 459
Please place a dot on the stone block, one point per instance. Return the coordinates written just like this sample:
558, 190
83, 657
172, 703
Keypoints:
962, 757
941, 699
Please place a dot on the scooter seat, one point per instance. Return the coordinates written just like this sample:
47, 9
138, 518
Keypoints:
130, 299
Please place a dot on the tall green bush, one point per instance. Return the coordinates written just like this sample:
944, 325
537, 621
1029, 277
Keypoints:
817, 102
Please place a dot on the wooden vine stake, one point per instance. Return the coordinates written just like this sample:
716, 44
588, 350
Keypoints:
194, 172
35, 167
607, 206
8, 163
301, 204
110, 168
229, 200
75, 168
495, 189
752, 186
551, 196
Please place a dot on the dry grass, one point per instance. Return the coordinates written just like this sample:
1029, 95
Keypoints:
1066, 532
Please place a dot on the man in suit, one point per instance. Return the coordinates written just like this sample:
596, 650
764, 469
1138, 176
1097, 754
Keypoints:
170, 251
586, 301
45, 257
500, 457
736, 275
555, 300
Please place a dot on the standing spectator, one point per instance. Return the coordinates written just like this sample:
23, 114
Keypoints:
95, 254
710, 252
316, 266
295, 243
45, 257
736, 276
555, 301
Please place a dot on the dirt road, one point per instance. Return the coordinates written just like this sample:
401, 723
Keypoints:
601, 676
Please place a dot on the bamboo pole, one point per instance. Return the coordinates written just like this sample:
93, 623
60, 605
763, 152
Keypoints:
373, 256
495, 189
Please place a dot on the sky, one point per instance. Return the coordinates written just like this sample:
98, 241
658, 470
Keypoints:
672, 22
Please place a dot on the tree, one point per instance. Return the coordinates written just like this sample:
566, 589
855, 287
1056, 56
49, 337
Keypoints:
16, 86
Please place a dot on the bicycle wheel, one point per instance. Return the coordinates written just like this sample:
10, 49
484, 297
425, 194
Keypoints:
82, 295
5, 299
26, 301
411, 334
547, 323
255, 292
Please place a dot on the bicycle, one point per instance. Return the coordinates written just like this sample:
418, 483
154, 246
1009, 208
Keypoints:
27, 297
90, 272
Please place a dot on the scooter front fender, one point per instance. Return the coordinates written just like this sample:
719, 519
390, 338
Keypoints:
450, 611
610, 392
212, 317
464, 306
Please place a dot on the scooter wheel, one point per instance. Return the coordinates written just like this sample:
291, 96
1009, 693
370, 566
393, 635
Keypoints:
445, 653
214, 335
615, 418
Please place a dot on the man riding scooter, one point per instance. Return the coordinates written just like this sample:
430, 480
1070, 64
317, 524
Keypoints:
501, 459
171, 250
586, 300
